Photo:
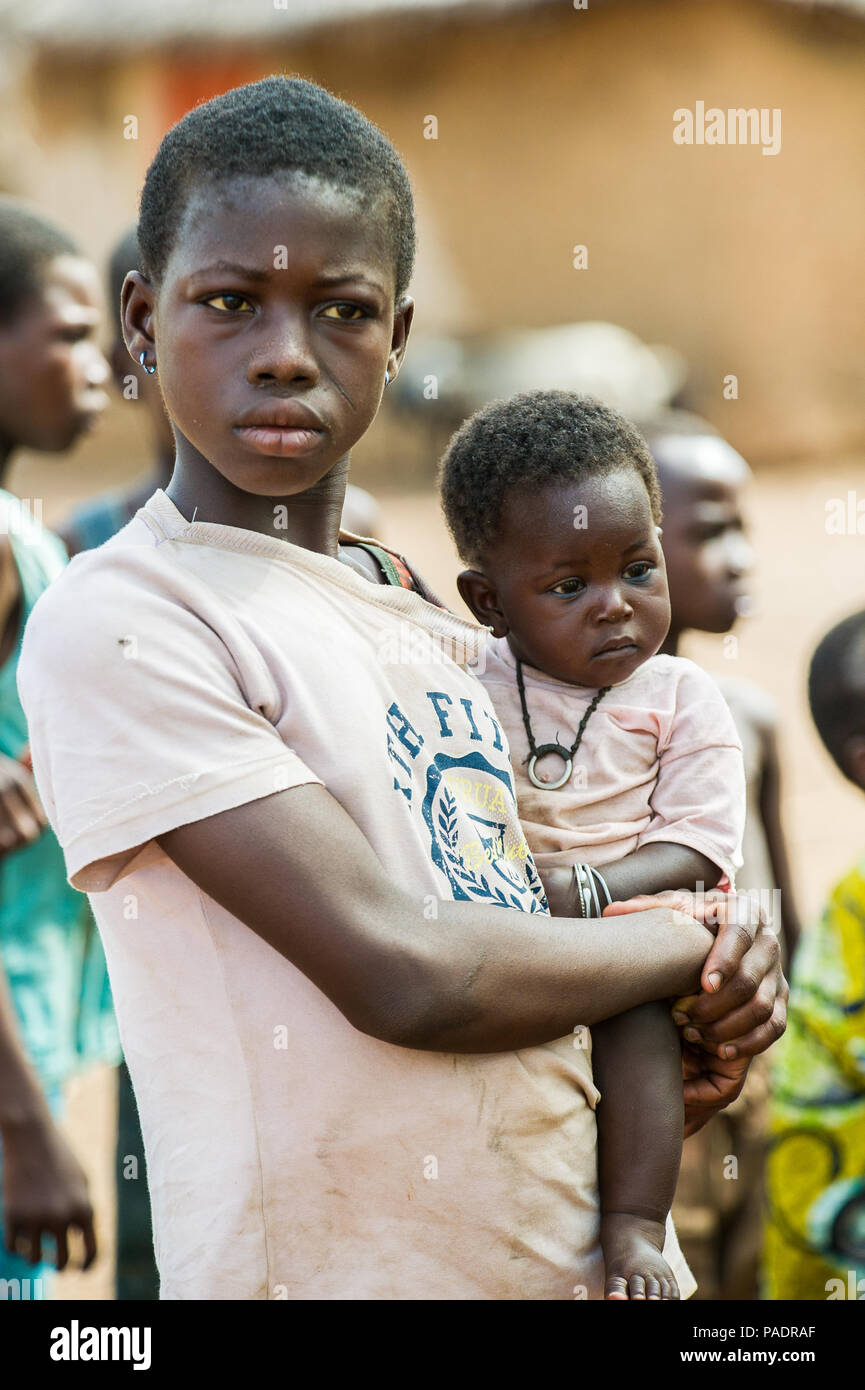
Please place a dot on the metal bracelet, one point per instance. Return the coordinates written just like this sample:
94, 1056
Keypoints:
602, 881
588, 880
579, 870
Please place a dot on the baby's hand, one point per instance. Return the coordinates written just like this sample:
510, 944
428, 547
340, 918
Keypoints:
635, 1267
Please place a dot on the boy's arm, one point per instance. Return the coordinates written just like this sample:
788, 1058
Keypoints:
637, 1064
472, 977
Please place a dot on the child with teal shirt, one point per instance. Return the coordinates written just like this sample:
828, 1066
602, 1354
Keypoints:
56, 1016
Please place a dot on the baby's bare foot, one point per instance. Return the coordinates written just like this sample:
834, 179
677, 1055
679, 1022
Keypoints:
635, 1267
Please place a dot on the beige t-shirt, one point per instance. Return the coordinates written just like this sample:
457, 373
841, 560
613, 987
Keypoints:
660, 760
185, 668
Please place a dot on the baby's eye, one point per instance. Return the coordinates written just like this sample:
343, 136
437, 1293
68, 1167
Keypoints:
228, 303
641, 569
346, 313
568, 587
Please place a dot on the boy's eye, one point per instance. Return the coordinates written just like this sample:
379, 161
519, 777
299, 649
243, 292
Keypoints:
228, 303
640, 569
346, 313
568, 587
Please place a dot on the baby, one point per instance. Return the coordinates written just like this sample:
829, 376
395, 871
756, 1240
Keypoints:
627, 764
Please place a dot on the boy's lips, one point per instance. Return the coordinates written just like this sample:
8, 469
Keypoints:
280, 415
278, 441
280, 428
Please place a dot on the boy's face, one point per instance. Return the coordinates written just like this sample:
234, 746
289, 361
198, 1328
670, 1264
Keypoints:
274, 324
708, 557
52, 372
568, 586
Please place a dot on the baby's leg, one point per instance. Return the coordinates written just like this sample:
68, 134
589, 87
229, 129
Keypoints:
637, 1062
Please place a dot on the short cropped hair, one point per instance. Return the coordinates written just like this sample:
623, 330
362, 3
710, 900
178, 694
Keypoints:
281, 125
535, 438
28, 243
836, 686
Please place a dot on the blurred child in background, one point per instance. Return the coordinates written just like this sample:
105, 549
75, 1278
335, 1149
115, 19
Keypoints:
703, 481
815, 1238
96, 520
55, 1004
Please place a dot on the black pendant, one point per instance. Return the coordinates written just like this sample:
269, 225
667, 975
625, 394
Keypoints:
542, 752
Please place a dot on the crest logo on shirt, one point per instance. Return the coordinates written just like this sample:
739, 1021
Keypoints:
469, 806
476, 837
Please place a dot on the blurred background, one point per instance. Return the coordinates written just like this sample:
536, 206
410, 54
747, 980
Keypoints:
530, 130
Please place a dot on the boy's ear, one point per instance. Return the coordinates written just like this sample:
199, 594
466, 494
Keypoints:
402, 320
136, 315
478, 594
854, 759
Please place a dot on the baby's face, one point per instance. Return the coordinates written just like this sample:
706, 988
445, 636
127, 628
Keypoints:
580, 581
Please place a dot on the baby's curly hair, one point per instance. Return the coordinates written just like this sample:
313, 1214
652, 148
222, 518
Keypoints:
534, 438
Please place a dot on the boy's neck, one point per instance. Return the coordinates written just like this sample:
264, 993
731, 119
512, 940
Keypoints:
164, 468
671, 643
310, 519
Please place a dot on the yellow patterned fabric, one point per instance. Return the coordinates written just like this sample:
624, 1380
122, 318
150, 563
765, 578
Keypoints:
815, 1237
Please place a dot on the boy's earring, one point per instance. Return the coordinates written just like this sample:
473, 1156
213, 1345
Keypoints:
387, 378
143, 360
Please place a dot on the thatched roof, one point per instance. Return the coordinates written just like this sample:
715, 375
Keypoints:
125, 24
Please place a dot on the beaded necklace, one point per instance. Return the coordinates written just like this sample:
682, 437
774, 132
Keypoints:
566, 754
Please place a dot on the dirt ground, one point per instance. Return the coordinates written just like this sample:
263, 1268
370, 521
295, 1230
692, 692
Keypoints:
806, 580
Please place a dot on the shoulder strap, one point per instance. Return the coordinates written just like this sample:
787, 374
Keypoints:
388, 564
398, 571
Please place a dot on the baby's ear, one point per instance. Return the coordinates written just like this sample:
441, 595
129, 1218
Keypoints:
478, 594
853, 754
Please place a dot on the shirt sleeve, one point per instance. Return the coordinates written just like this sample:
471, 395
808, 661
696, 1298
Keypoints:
699, 796
145, 702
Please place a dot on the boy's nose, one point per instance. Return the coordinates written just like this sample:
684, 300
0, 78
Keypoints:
285, 356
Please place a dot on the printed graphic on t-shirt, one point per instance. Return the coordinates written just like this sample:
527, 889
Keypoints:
468, 803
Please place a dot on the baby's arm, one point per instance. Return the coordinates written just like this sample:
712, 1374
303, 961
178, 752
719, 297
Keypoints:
637, 1063
655, 867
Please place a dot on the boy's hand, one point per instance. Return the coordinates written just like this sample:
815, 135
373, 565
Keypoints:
44, 1193
743, 1008
635, 1266
711, 1083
